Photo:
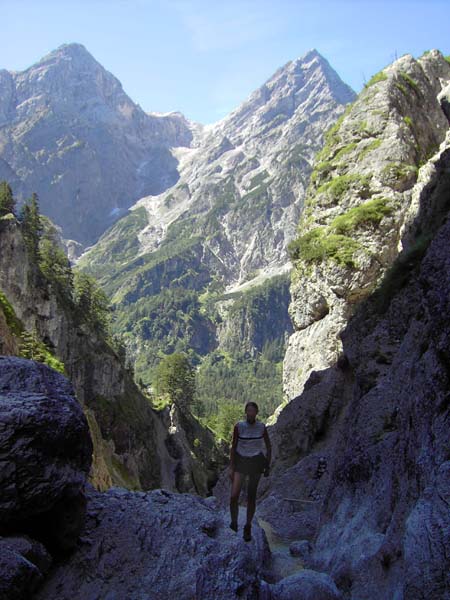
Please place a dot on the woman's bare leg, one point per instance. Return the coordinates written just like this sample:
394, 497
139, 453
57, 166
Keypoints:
234, 499
253, 481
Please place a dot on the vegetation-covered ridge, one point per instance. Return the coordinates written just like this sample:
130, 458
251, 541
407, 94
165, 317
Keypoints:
75, 290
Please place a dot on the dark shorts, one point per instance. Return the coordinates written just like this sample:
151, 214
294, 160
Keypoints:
250, 465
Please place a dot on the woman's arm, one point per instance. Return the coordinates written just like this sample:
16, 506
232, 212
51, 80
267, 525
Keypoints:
268, 446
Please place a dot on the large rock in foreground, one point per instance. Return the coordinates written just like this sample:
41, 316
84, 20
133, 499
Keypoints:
159, 545
45, 446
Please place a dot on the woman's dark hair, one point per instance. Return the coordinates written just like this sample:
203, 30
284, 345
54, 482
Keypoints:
251, 404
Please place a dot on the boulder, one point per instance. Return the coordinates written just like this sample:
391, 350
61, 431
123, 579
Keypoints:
23, 563
18, 576
46, 452
306, 585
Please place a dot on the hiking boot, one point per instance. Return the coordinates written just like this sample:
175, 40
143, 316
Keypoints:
234, 525
247, 532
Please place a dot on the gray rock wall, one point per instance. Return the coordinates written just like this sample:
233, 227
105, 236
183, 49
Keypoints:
377, 155
361, 449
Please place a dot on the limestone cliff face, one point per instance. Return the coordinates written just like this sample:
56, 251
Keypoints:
70, 133
363, 197
133, 446
361, 476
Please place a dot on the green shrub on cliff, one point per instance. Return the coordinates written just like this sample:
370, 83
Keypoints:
410, 81
31, 347
372, 146
380, 76
323, 243
338, 186
13, 323
371, 211
7, 201
319, 245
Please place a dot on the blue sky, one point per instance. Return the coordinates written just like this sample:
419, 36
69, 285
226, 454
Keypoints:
204, 58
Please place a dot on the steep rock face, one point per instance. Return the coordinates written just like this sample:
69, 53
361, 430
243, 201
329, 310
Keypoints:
364, 450
131, 439
361, 199
70, 133
361, 484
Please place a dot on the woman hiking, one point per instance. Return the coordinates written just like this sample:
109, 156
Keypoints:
247, 457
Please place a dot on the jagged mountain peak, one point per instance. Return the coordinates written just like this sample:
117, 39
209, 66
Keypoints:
73, 49
297, 64
301, 68
70, 71
68, 52
291, 88
64, 60
310, 66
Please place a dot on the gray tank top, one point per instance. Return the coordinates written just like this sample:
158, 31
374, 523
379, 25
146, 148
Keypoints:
250, 438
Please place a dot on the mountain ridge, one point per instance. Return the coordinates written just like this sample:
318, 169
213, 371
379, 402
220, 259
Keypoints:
70, 133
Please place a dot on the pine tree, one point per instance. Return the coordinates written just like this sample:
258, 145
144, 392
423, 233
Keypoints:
31, 347
7, 202
32, 226
92, 302
55, 265
175, 376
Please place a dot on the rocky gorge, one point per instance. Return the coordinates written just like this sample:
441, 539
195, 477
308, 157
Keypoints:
357, 504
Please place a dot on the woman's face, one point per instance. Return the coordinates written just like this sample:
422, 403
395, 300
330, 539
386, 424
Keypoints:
251, 413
